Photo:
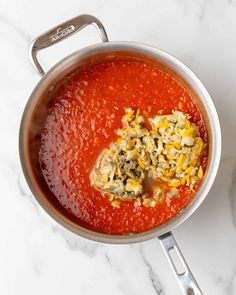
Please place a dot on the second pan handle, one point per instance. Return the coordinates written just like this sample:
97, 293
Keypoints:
185, 279
62, 32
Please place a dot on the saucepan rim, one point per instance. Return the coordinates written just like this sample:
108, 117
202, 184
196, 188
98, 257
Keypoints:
212, 165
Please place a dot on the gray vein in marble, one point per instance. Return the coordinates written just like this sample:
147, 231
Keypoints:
231, 289
21, 188
183, 4
18, 29
37, 269
23, 192
76, 243
117, 269
232, 195
108, 258
200, 11
152, 275
203, 9
232, 2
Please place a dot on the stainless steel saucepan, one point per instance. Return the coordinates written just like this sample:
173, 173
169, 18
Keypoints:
37, 106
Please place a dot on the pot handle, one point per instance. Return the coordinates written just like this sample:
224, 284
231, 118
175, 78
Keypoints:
62, 32
185, 278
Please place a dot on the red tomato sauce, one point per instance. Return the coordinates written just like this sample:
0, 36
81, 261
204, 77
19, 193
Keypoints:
81, 122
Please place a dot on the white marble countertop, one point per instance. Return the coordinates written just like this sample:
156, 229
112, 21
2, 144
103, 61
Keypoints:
37, 256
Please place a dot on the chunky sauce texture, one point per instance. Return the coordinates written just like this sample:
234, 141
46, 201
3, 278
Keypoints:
81, 122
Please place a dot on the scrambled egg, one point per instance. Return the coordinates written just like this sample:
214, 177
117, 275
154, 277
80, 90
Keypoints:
169, 152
